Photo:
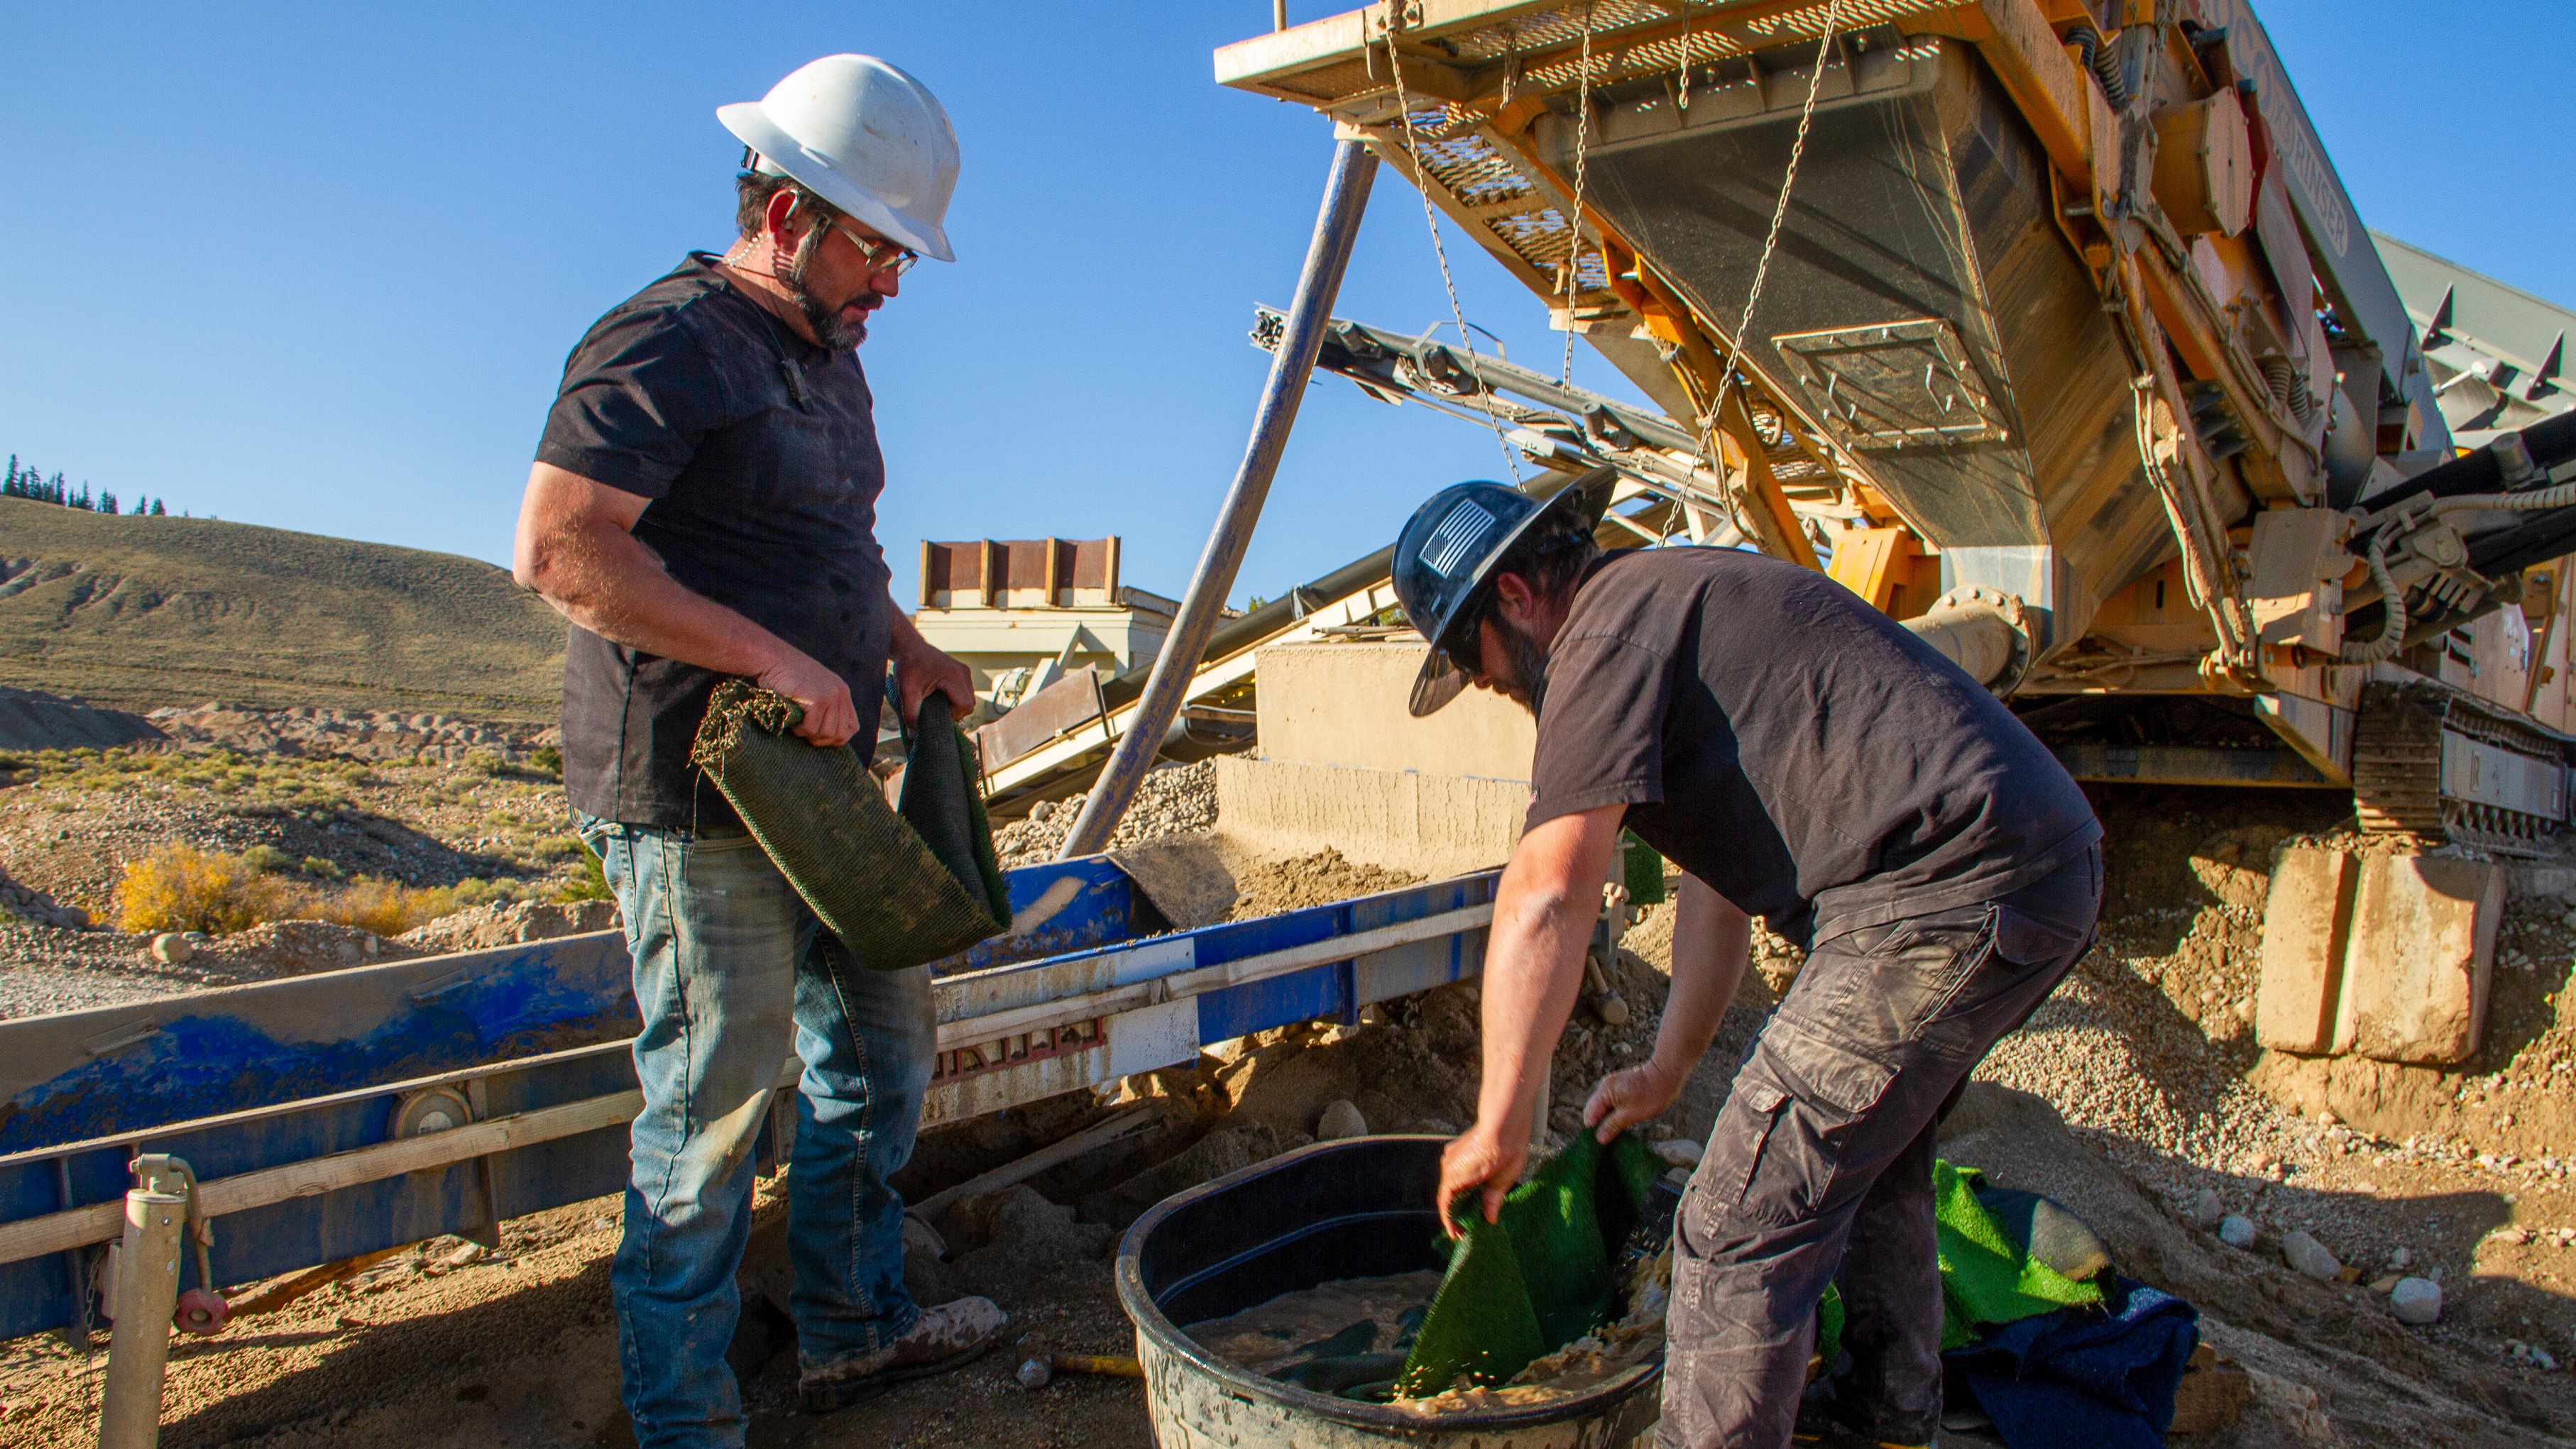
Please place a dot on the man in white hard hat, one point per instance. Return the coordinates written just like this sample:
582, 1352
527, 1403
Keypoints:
703, 504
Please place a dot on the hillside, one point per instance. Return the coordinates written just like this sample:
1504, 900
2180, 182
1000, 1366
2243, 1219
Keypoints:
143, 612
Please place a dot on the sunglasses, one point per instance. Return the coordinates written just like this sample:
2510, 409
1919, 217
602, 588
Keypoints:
882, 255
1465, 648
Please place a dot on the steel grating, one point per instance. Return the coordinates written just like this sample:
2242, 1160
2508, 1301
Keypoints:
1485, 182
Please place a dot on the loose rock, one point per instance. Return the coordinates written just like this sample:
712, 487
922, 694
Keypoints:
1679, 1151
1340, 1120
2309, 1256
172, 949
2236, 1231
2206, 1208
2416, 1300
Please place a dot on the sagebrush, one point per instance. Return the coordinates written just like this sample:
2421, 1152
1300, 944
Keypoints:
182, 888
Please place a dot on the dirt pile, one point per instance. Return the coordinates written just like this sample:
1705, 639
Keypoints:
276, 949
32, 720
497, 923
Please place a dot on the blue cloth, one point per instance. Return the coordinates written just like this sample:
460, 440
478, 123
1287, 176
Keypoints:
732, 973
2082, 1376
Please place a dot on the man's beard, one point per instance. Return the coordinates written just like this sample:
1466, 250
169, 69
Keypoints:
1529, 668
831, 331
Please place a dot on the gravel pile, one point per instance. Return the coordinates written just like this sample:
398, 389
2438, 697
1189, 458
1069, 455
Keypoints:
26, 905
352, 734
44, 969
1173, 799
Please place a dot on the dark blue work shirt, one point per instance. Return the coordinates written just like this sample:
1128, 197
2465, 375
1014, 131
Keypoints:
758, 450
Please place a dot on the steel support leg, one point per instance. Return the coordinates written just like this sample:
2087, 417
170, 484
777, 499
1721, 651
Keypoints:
146, 1293
1336, 226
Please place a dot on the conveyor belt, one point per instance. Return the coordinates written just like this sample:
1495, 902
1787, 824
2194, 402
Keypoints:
284, 1096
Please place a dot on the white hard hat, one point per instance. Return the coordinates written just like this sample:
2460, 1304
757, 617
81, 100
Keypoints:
865, 137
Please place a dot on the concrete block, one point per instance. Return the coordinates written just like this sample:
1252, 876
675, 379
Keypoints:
1437, 825
2383, 956
2305, 922
1344, 704
2419, 966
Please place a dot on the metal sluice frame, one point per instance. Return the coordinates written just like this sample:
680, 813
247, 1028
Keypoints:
511, 1070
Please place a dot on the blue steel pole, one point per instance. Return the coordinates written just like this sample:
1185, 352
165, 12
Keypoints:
1346, 195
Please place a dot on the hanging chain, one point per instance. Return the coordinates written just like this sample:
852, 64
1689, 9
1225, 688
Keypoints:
1686, 58
1762, 268
1574, 223
1431, 218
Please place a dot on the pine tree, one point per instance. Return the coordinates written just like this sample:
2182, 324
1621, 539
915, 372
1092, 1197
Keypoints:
157, 509
107, 503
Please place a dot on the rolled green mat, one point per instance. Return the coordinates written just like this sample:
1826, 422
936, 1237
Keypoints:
899, 885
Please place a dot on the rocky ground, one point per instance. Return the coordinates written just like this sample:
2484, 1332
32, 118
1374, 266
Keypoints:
2283, 1197
331, 797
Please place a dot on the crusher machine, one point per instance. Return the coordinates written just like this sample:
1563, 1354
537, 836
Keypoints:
2044, 325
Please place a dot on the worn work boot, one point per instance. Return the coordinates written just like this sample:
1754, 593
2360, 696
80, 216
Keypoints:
949, 1336
1820, 1426
1824, 1434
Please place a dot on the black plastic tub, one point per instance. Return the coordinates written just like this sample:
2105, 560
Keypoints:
1357, 1208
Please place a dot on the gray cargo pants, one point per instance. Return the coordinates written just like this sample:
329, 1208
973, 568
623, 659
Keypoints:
1822, 1159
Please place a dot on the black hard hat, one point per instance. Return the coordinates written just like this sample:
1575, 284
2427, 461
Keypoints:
1445, 557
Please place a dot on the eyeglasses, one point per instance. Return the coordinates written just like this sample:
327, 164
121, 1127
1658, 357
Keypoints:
875, 250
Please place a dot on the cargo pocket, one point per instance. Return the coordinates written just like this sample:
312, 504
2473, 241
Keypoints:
1735, 1148
1827, 1091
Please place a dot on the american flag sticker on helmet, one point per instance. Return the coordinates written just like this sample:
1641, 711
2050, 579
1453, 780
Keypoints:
1455, 539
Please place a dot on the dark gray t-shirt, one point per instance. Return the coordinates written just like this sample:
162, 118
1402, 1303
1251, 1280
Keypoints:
1803, 754
759, 453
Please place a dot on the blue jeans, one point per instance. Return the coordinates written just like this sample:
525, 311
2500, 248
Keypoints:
732, 973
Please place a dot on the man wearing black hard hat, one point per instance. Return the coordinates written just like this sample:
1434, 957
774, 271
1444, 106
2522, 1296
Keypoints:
1803, 758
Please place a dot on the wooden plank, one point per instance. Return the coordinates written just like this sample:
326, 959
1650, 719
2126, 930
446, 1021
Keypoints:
1098, 1134
100, 1222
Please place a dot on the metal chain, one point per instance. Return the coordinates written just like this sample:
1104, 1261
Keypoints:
1574, 223
1762, 268
1431, 218
1686, 58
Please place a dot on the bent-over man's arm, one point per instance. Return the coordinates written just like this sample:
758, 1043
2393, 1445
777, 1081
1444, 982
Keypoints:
1712, 941
576, 549
1543, 913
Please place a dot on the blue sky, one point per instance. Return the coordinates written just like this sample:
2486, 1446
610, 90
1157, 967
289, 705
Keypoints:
319, 266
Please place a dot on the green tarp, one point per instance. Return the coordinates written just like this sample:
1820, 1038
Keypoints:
1994, 1269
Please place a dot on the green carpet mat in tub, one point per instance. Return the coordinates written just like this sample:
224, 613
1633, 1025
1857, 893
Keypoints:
900, 884
1540, 1277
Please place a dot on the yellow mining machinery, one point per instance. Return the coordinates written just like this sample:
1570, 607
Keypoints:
2043, 324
